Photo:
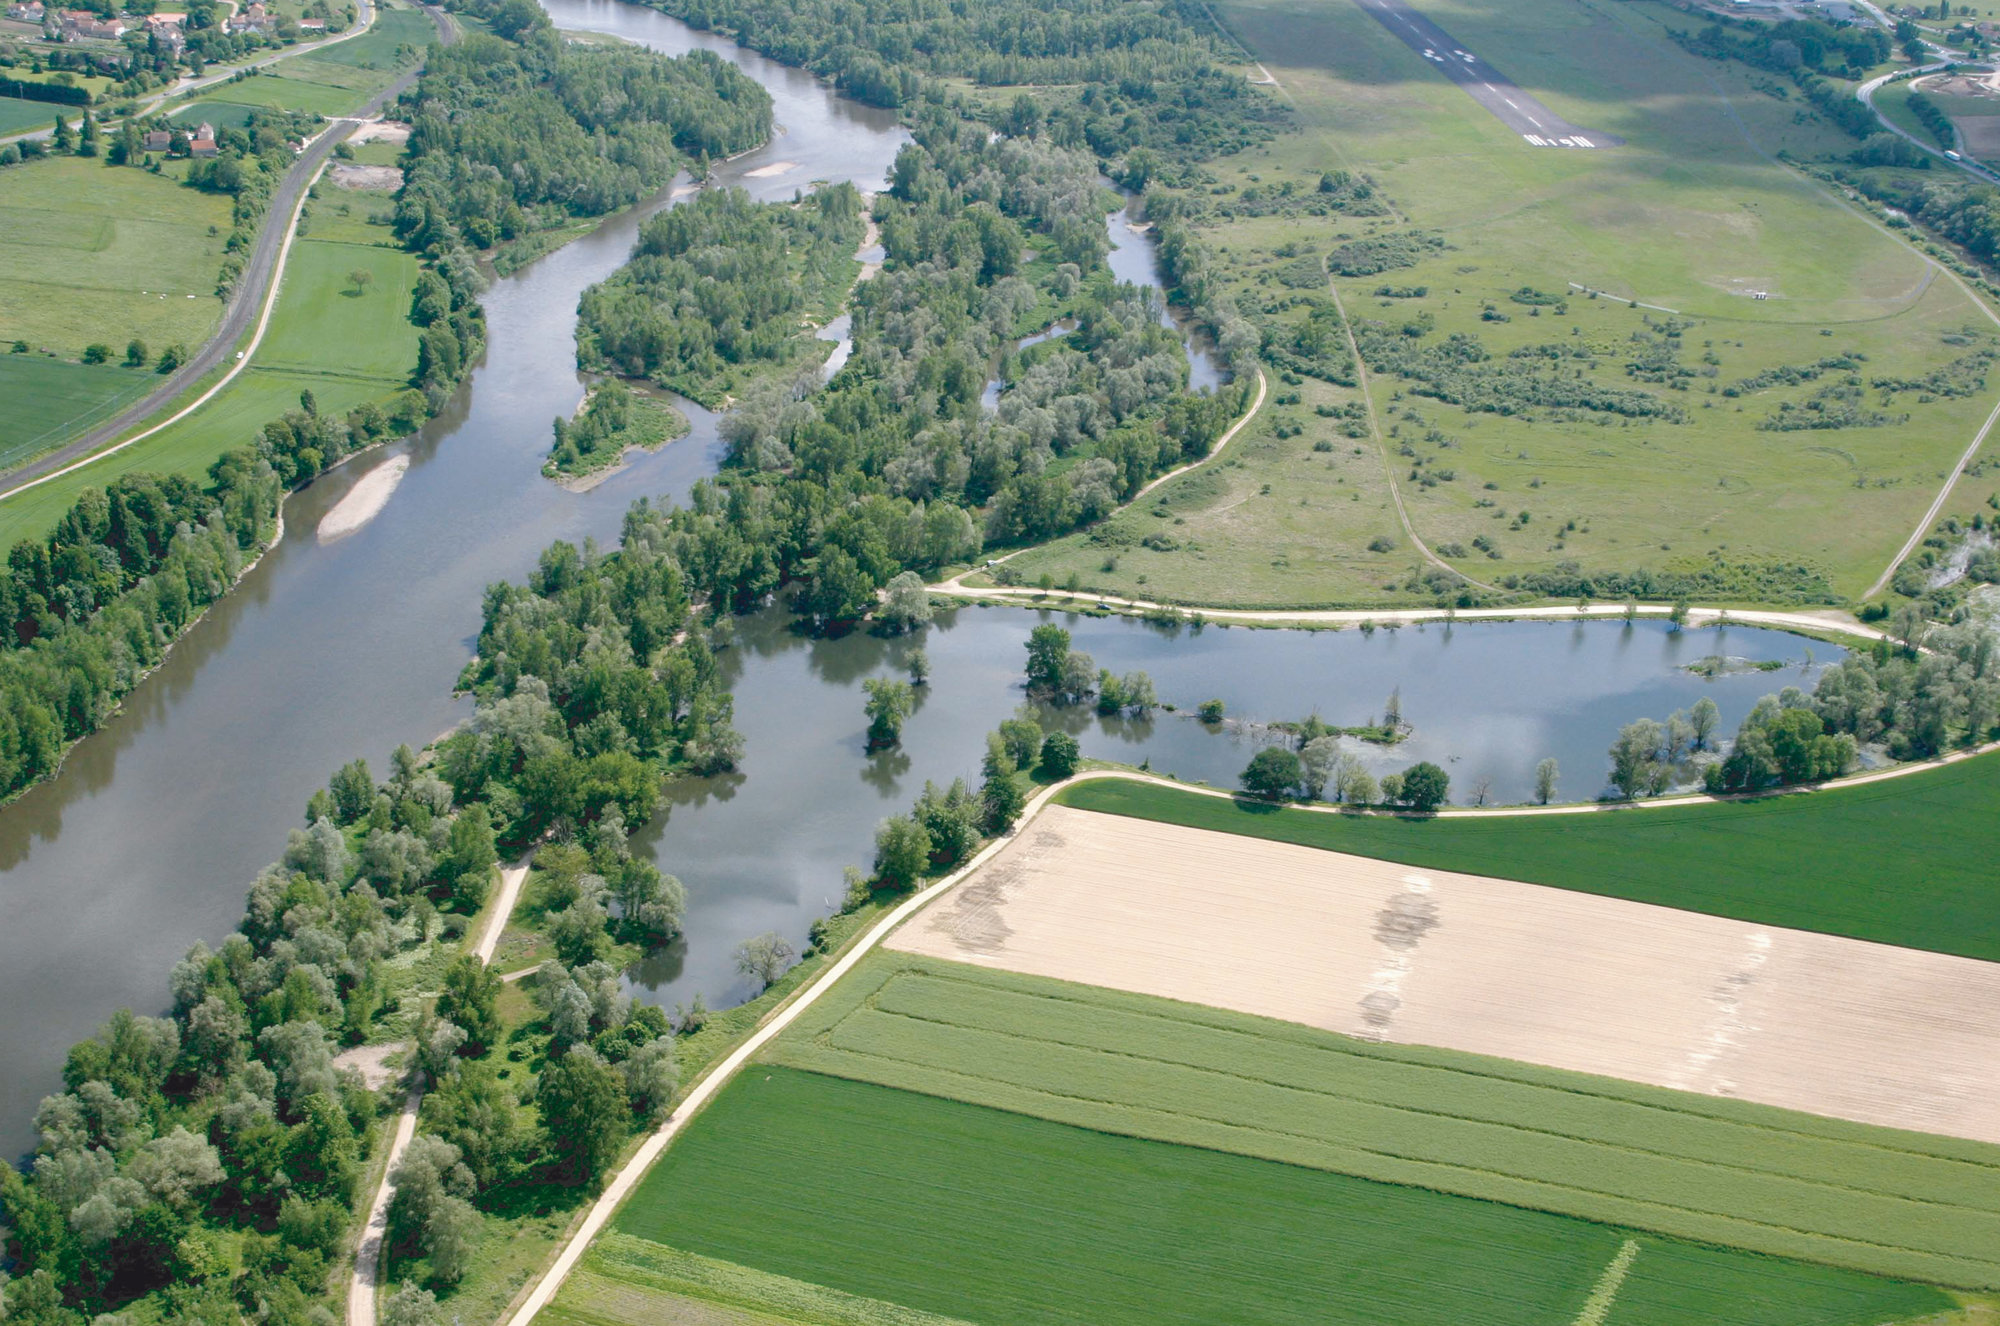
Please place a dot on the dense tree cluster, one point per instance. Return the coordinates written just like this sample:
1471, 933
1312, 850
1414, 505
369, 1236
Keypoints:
590, 684
213, 1154
721, 285
1845, 50
896, 465
520, 130
1915, 703
1108, 75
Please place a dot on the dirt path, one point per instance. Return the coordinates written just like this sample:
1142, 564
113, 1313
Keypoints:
367, 1275
1832, 622
365, 1283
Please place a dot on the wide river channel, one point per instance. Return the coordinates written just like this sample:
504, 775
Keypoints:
347, 647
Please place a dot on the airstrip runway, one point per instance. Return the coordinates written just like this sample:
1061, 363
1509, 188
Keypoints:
1536, 123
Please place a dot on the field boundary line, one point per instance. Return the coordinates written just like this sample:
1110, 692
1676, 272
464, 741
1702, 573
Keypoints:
339, 128
1428, 1112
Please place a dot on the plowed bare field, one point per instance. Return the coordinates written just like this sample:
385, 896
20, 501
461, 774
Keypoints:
1375, 949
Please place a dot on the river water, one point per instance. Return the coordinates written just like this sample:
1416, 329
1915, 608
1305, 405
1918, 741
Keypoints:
327, 651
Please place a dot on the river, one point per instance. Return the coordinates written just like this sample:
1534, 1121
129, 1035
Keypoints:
332, 650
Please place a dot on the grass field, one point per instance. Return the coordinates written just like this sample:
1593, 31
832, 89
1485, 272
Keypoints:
17, 113
1692, 215
1906, 861
221, 114
376, 49
376, 352
1694, 1166
1000, 1218
48, 399
90, 252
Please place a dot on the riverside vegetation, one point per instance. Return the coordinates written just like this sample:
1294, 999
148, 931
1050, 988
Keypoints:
97, 601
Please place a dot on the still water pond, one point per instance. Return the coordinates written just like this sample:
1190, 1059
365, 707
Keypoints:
763, 849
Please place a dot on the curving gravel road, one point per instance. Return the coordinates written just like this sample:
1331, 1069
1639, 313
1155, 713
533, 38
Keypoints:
259, 274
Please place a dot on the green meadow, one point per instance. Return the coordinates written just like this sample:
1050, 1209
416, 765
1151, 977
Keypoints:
1718, 1171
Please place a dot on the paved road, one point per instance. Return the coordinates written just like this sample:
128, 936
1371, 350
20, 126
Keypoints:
1866, 92
1536, 123
248, 297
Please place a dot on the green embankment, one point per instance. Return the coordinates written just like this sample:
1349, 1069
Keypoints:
1719, 1171
1004, 1219
1906, 861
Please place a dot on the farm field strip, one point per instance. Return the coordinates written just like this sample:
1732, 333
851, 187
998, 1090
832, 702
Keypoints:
627, 1281
1672, 998
1001, 1218
1720, 1171
1807, 861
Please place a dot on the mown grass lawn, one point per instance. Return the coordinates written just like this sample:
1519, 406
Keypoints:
1720, 1171
18, 113
1003, 1219
1905, 861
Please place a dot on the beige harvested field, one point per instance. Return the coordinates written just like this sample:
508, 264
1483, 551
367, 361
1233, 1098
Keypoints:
1379, 950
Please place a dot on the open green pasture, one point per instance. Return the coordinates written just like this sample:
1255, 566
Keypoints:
1695, 215
97, 253
344, 348
326, 325
376, 48
18, 113
1718, 1171
1905, 861
1003, 1219
221, 114
50, 399
286, 93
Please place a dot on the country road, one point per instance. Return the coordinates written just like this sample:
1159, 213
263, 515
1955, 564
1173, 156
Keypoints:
246, 303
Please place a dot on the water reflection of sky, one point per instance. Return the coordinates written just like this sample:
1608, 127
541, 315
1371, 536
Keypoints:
763, 848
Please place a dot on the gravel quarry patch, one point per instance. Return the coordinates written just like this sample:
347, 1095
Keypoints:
1386, 952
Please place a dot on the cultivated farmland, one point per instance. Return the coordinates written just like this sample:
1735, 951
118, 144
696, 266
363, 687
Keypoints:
1008, 1220
1714, 1169
1673, 998
1819, 861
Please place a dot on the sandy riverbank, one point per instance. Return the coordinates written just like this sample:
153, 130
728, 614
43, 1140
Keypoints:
364, 501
